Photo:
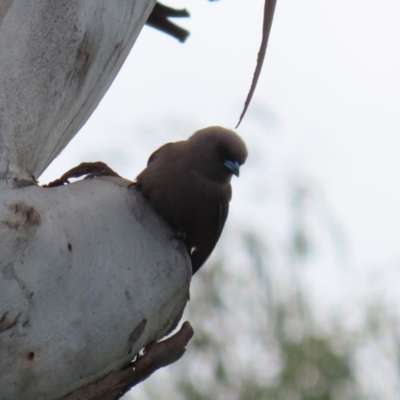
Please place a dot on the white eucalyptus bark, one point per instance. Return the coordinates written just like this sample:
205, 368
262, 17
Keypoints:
89, 274
57, 59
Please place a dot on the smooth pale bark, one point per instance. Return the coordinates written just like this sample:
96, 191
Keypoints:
88, 273
58, 58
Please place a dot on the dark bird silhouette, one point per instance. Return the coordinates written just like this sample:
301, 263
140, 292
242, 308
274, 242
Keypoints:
188, 184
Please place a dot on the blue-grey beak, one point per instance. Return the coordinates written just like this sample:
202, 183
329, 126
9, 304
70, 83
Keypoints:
232, 166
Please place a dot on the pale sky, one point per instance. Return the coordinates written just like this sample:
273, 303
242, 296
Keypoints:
325, 116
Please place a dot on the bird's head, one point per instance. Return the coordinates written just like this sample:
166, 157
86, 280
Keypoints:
218, 152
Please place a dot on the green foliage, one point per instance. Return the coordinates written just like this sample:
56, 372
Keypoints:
256, 335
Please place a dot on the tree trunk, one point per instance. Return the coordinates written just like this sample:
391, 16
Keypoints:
58, 58
89, 275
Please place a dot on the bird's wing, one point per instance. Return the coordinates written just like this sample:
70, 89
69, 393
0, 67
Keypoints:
223, 211
200, 255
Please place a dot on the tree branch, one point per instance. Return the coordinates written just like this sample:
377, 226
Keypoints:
156, 356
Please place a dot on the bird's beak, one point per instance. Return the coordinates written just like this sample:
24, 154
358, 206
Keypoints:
232, 166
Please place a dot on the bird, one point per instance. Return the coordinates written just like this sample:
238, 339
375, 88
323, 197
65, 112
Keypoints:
188, 183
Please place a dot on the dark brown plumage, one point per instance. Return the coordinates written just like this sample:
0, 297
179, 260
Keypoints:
188, 184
